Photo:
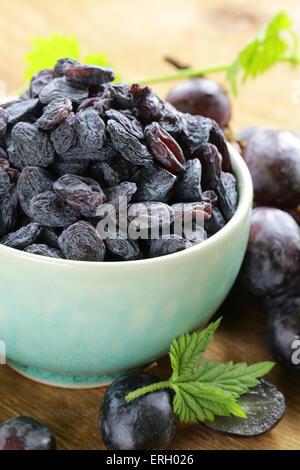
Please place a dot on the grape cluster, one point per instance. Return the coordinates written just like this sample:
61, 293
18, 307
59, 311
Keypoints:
76, 141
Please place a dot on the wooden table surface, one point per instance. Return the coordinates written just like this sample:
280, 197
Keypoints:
136, 34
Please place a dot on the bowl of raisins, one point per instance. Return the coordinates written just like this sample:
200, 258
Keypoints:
123, 224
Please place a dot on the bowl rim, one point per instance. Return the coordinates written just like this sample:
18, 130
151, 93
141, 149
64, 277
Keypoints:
245, 200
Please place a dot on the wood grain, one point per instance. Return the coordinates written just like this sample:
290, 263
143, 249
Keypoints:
136, 34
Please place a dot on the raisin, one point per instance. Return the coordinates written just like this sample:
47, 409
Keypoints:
149, 105
31, 145
54, 114
89, 75
188, 185
168, 245
90, 130
23, 237
4, 182
120, 96
8, 211
81, 242
195, 133
128, 145
44, 250
123, 249
63, 64
164, 148
3, 122
120, 194
74, 166
14, 160
194, 210
227, 195
99, 103
22, 110
215, 223
62, 88
150, 216
156, 187
63, 136
129, 122
171, 121
51, 211
32, 181
49, 236
210, 196
217, 138
39, 80
80, 192
196, 234
211, 161
110, 173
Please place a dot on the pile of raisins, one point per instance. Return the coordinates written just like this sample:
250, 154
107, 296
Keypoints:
76, 140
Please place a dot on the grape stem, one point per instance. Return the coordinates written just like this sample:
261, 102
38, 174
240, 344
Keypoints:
148, 389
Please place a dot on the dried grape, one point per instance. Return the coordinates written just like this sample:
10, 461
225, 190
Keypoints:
81, 242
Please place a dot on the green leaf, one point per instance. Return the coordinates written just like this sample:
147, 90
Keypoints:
187, 350
267, 48
47, 51
200, 401
235, 379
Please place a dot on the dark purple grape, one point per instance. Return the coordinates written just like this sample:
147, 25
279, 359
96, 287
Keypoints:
129, 146
4, 182
32, 181
31, 145
62, 64
90, 130
211, 161
227, 195
264, 406
8, 211
129, 122
164, 148
148, 422
23, 237
54, 114
51, 211
168, 245
82, 193
155, 187
39, 80
62, 88
3, 122
44, 250
215, 223
203, 97
188, 185
272, 259
283, 326
81, 242
22, 110
25, 433
89, 75
273, 158
63, 136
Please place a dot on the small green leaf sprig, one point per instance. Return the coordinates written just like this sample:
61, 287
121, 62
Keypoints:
205, 390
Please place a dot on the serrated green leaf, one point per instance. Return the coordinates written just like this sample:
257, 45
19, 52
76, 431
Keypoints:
48, 50
187, 350
200, 401
267, 48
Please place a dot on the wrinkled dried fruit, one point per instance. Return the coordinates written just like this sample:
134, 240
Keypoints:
89, 75
44, 250
62, 88
31, 145
155, 187
23, 237
51, 211
129, 122
81, 242
54, 114
164, 148
188, 184
168, 245
211, 161
22, 110
32, 181
63, 136
227, 195
90, 130
39, 80
63, 64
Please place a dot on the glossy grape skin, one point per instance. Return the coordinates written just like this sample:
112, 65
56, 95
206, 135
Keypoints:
25, 433
273, 158
283, 327
145, 423
272, 260
203, 97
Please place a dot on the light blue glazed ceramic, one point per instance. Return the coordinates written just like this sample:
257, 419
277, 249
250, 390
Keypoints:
80, 324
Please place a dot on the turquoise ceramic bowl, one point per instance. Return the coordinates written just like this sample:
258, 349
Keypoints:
80, 324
